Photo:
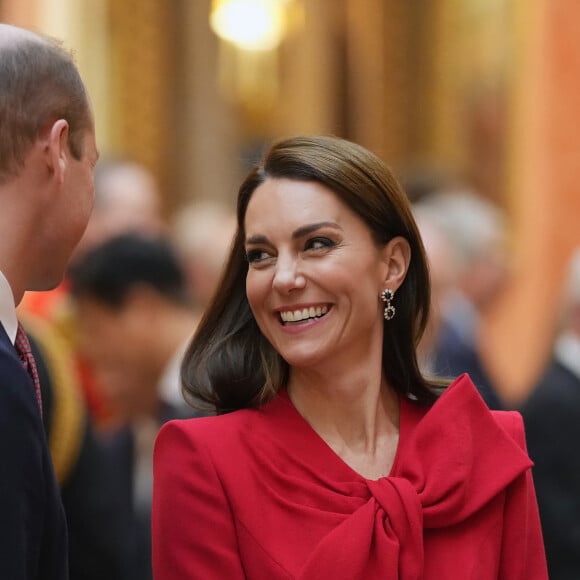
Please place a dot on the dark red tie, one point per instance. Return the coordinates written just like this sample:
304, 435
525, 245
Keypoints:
27, 359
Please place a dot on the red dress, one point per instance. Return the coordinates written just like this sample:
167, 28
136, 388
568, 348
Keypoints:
258, 494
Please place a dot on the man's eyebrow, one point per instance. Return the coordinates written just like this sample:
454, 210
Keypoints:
296, 234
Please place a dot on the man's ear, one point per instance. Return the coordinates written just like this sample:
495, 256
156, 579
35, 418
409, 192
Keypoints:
57, 149
397, 257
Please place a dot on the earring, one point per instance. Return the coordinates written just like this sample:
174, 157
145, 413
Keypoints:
386, 296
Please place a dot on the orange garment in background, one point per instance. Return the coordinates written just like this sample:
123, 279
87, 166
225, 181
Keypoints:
545, 198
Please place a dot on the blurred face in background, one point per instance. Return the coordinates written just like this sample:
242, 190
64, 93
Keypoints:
117, 344
126, 200
440, 257
203, 233
487, 274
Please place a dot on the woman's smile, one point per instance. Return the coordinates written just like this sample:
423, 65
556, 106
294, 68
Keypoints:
301, 315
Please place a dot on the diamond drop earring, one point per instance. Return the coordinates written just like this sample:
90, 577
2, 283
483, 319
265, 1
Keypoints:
387, 296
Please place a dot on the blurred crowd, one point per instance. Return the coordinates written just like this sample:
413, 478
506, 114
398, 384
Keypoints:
465, 236
109, 341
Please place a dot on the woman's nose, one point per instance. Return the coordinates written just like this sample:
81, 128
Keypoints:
287, 276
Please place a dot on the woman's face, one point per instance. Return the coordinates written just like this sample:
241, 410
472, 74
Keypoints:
315, 274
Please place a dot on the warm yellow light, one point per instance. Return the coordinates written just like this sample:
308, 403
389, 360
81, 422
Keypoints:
249, 24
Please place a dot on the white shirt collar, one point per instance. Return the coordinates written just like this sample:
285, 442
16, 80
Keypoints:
567, 351
7, 309
170, 382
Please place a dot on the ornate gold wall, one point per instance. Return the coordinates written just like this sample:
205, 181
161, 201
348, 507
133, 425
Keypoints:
142, 77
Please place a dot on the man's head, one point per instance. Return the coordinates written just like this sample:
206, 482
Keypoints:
127, 199
203, 232
132, 306
439, 250
475, 229
47, 154
39, 84
570, 302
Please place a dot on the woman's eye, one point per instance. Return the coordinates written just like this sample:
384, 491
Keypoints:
254, 256
319, 244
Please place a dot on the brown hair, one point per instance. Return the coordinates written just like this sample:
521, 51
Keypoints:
229, 364
39, 84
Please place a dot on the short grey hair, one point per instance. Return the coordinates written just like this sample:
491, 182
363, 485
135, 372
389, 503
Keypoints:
469, 221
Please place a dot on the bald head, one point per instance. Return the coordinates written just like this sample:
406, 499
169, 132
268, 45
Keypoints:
203, 233
39, 83
127, 199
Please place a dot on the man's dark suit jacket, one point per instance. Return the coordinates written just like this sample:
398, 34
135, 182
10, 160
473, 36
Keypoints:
136, 539
552, 421
33, 536
453, 357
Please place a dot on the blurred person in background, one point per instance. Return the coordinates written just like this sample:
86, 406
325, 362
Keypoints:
552, 420
47, 156
475, 229
439, 251
127, 199
135, 319
202, 232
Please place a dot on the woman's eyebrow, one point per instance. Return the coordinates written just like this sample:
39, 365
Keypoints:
258, 239
308, 229
296, 234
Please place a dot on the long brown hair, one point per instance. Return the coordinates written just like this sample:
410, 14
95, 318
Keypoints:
229, 363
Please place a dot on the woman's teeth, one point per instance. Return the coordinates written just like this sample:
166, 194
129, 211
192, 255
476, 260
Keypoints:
304, 314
